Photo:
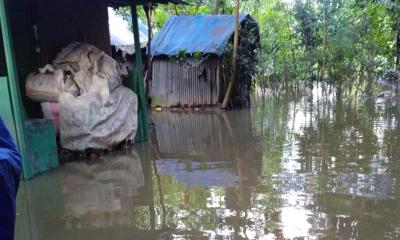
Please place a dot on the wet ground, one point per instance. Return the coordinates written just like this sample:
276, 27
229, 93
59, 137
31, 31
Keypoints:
291, 167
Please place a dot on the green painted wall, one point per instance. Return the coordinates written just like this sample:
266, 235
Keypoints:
5, 107
36, 139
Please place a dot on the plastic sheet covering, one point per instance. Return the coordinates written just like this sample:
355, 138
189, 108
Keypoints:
50, 111
96, 111
205, 34
121, 35
10, 171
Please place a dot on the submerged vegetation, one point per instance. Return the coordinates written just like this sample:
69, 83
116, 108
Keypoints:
336, 41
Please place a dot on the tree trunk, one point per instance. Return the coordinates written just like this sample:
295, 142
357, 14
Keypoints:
176, 9
234, 58
219, 7
294, 64
325, 43
398, 42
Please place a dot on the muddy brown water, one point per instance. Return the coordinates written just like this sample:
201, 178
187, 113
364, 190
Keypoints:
310, 167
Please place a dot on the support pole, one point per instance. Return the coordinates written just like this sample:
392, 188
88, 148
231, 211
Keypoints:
142, 108
13, 83
148, 77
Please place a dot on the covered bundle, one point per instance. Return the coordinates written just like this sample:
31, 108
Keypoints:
96, 111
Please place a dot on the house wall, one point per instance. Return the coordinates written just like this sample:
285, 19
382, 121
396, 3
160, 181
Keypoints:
61, 22
21, 19
58, 23
192, 83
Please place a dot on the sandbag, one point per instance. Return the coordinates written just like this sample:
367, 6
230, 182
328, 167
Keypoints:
43, 86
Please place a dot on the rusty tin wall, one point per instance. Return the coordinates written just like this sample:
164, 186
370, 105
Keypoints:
61, 22
191, 83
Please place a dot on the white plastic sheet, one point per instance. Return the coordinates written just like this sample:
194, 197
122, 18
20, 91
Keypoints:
96, 111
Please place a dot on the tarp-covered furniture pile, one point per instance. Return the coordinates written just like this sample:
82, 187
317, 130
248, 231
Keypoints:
95, 110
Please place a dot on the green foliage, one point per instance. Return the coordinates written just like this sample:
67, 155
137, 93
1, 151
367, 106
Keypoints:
339, 41
248, 58
162, 12
360, 40
197, 55
180, 57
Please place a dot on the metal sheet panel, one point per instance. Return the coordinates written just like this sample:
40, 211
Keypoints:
191, 83
61, 22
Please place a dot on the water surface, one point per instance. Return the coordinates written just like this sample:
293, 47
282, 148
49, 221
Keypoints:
319, 166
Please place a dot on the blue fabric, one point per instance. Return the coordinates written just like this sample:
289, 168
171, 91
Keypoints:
10, 171
205, 34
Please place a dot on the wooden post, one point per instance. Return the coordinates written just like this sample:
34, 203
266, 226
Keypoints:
398, 40
13, 83
234, 58
142, 106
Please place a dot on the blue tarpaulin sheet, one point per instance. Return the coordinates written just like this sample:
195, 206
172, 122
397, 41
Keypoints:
10, 171
205, 34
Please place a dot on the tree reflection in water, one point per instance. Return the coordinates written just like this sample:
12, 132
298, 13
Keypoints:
322, 165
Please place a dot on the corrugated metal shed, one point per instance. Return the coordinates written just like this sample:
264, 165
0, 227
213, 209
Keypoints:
189, 67
191, 83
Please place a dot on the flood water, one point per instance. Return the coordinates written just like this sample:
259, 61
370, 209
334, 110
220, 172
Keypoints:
291, 167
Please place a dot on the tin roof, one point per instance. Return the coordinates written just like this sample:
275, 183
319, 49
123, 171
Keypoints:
121, 35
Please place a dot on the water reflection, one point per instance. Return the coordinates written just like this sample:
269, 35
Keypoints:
332, 166
316, 166
207, 149
100, 195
